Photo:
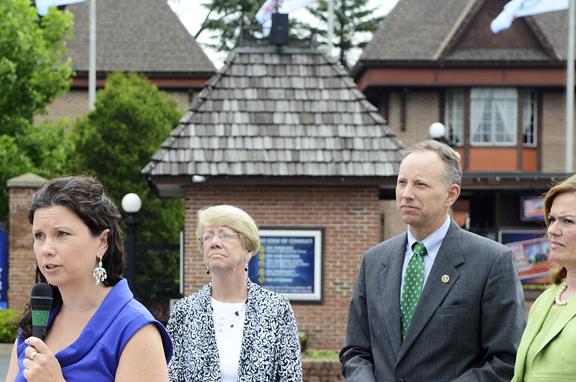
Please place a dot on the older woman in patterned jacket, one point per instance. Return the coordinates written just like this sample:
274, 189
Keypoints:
232, 329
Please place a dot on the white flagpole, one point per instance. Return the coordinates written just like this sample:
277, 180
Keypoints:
330, 28
570, 91
92, 58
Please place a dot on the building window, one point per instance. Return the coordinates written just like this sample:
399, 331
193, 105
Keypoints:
454, 116
529, 127
493, 117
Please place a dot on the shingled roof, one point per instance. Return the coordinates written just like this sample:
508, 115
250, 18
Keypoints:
419, 32
137, 36
278, 113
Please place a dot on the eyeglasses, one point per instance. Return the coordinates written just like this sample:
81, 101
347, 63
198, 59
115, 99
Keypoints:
223, 235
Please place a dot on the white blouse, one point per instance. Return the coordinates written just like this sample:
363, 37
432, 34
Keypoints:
229, 325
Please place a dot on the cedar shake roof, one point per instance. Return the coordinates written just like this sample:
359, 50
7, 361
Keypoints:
136, 36
420, 32
279, 113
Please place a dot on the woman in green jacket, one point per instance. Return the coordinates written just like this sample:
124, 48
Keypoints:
547, 351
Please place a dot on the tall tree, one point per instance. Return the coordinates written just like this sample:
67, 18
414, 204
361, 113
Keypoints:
33, 72
32, 69
114, 142
227, 18
354, 23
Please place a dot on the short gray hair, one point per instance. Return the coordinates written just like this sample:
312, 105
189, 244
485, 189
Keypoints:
451, 159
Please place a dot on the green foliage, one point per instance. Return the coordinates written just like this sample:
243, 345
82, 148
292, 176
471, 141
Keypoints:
320, 355
49, 146
13, 163
8, 326
32, 75
354, 23
304, 339
44, 150
227, 17
32, 72
114, 142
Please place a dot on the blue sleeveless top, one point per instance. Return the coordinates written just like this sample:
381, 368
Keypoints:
95, 354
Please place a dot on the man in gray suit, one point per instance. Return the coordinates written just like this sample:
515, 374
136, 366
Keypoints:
435, 303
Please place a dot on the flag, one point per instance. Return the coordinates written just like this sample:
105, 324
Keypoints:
264, 15
43, 5
520, 8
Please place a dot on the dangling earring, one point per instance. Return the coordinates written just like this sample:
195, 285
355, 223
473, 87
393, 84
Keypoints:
99, 273
207, 271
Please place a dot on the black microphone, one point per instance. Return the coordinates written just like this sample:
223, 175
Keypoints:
40, 301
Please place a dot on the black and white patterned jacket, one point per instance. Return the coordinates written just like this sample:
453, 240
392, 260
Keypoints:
270, 347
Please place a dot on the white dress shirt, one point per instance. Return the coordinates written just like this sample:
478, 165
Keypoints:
432, 244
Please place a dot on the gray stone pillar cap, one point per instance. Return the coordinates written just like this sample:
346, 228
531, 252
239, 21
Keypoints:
27, 180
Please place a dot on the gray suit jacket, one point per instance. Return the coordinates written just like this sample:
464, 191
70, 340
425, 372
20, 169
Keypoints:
466, 328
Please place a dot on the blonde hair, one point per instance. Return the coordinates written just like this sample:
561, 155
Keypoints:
565, 186
233, 218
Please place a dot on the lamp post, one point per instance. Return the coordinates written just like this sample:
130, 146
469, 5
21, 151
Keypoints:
131, 204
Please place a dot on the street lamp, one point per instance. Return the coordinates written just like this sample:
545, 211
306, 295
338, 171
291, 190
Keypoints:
131, 204
437, 131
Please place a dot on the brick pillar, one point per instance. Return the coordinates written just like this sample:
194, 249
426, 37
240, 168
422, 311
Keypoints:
21, 262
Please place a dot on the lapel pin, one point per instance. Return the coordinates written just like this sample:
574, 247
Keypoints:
445, 279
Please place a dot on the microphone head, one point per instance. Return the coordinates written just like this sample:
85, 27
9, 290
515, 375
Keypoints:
42, 290
40, 302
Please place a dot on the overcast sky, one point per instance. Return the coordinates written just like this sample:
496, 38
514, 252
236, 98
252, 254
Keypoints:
192, 13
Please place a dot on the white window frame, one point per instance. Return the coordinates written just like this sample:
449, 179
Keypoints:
454, 116
530, 117
501, 104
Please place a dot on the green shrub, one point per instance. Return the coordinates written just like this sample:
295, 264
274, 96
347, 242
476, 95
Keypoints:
320, 355
304, 339
8, 325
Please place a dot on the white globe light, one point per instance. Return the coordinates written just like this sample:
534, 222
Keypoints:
198, 179
131, 203
437, 130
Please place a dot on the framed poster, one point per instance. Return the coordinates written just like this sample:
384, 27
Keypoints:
289, 261
530, 248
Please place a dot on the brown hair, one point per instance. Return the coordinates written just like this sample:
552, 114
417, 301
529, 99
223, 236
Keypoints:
86, 198
567, 185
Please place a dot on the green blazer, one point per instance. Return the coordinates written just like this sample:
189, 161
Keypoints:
558, 351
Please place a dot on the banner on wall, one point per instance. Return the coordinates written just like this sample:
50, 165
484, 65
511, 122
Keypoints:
3, 269
289, 261
530, 249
